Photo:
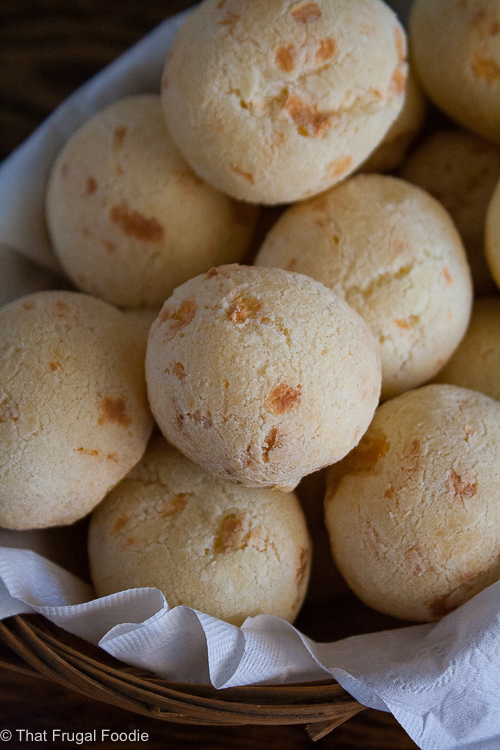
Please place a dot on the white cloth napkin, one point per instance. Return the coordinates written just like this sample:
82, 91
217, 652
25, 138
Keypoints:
442, 682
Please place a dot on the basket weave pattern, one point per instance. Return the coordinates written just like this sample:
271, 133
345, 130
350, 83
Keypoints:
48, 652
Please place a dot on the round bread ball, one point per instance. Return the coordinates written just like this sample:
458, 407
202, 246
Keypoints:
413, 512
402, 132
282, 100
128, 218
74, 416
461, 170
231, 552
393, 253
456, 54
492, 235
476, 362
261, 376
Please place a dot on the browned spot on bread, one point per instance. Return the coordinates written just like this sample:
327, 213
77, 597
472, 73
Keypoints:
417, 561
410, 460
221, 4
131, 541
212, 273
119, 523
364, 458
285, 58
134, 224
179, 419
403, 324
398, 82
61, 308
90, 186
113, 412
55, 366
179, 318
112, 457
205, 420
242, 213
389, 493
248, 457
108, 246
27, 305
269, 443
326, 50
309, 121
174, 506
291, 265
242, 308
233, 534
462, 489
178, 371
447, 276
339, 166
283, 398
248, 176
494, 28
303, 567
230, 19
400, 44
86, 232
438, 606
485, 68
306, 13
87, 452
118, 170
119, 137
8, 411
478, 17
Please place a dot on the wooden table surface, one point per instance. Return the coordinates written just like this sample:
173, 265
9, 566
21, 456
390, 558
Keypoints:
47, 49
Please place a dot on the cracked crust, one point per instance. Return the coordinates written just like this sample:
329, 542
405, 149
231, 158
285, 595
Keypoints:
229, 551
392, 252
413, 512
279, 91
74, 417
281, 377
128, 218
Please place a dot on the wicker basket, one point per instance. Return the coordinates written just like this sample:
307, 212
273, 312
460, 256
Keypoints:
44, 650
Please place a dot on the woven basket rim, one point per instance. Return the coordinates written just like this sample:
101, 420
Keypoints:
44, 650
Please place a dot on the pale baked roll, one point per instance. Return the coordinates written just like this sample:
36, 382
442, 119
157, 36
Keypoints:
231, 552
461, 170
456, 54
74, 416
129, 220
261, 376
414, 511
273, 101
